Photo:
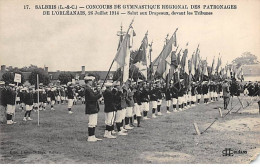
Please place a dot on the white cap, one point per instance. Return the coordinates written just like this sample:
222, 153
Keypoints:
89, 78
11, 84
2, 82
108, 84
116, 83
139, 80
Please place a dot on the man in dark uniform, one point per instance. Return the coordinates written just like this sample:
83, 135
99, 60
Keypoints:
144, 96
159, 98
70, 95
110, 111
52, 96
28, 100
10, 96
168, 97
137, 105
205, 91
193, 93
153, 99
91, 107
174, 93
199, 92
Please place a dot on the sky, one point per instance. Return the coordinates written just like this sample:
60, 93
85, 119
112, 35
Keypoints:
69, 42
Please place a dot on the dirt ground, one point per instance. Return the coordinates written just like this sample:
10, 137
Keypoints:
171, 138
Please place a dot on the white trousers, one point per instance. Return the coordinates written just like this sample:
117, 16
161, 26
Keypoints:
129, 112
145, 106
120, 115
174, 101
137, 110
28, 107
70, 103
154, 104
159, 102
10, 109
110, 118
168, 103
92, 120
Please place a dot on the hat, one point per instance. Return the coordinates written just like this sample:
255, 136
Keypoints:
12, 85
108, 84
139, 81
89, 78
116, 83
2, 82
156, 81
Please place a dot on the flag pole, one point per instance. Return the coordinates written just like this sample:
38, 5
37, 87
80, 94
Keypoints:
137, 53
165, 47
114, 59
16, 93
38, 99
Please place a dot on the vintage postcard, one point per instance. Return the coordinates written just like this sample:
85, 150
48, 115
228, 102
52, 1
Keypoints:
129, 81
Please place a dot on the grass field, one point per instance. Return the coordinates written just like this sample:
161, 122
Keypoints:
171, 138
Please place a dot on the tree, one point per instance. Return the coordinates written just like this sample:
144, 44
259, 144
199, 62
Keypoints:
8, 77
246, 58
43, 77
30, 68
65, 77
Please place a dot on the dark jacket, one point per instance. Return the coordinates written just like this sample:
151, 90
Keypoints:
10, 96
130, 99
174, 92
137, 98
28, 99
153, 96
91, 99
205, 89
144, 96
109, 101
123, 99
168, 94
70, 93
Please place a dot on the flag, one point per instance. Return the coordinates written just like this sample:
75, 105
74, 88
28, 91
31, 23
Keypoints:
127, 57
174, 61
205, 69
184, 61
178, 58
140, 60
123, 53
162, 63
192, 66
228, 73
197, 58
213, 67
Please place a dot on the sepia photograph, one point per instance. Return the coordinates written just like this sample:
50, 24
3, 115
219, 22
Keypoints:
129, 82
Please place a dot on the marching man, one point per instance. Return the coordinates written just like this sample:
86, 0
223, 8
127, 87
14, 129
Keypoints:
29, 103
70, 97
10, 95
91, 108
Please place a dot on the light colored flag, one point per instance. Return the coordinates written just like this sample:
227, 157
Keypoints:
140, 60
128, 46
213, 67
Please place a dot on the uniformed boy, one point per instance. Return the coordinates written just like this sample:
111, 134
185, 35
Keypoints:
91, 108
